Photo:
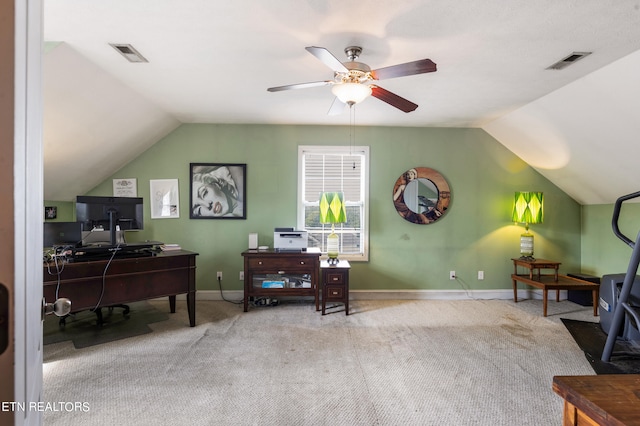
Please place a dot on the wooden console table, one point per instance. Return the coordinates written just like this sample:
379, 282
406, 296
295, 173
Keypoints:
262, 266
125, 280
604, 400
549, 282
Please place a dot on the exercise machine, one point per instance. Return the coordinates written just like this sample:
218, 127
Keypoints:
620, 293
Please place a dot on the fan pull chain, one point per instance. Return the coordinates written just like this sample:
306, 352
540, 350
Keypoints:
352, 132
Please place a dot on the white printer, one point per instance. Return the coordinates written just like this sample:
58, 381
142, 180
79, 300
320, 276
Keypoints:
288, 239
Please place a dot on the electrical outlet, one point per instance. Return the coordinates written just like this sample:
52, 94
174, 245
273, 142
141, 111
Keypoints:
481, 275
452, 275
241, 276
219, 275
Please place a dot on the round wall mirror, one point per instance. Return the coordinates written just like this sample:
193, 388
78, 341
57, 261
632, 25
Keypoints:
421, 195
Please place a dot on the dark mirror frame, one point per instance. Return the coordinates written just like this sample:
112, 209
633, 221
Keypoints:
431, 210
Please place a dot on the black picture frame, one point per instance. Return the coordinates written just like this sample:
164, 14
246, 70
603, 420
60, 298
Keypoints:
50, 212
217, 191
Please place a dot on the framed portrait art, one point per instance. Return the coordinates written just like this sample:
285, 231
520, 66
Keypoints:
218, 191
165, 198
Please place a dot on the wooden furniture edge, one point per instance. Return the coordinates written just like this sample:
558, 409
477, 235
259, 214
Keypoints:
547, 282
574, 390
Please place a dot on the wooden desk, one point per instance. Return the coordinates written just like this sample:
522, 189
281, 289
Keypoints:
126, 280
604, 400
552, 282
288, 266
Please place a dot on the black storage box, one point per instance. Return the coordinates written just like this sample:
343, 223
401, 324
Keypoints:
582, 297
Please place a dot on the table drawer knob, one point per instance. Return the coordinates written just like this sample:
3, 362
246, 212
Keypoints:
302, 262
334, 293
281, 272
335, 279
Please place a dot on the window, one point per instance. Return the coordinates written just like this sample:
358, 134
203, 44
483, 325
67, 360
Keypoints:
335, 168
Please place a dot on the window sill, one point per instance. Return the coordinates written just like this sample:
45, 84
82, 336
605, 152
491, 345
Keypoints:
349, 257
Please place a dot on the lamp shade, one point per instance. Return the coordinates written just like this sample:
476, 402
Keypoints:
351, 93
332, 208
528, 207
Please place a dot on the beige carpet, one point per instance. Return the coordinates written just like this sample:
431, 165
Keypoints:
389, 363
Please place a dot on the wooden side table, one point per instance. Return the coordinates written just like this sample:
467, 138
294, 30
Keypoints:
335, 284
533, 264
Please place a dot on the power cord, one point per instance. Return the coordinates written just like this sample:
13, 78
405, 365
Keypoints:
238, 302
104, 276
463, 286
59, 256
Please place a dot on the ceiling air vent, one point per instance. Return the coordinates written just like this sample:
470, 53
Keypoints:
571, 59
129, 52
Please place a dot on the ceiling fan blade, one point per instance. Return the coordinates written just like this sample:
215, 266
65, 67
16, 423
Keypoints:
410, 68
327, 58
393, 99
337, 107
299, 86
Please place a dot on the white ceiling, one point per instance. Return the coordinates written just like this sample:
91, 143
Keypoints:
212, 61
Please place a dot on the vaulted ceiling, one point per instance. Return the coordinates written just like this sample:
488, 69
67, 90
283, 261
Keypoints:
212, 61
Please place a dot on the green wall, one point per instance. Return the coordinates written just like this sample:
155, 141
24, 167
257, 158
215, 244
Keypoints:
603, 252
475, 234
66, 211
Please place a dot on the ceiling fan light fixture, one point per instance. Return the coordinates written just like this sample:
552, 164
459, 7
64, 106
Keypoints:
351, 93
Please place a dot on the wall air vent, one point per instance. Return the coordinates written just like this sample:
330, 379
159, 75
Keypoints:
571, 59
129, 52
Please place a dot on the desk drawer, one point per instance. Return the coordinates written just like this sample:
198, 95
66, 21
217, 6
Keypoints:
280, 264
335, 292
334, 278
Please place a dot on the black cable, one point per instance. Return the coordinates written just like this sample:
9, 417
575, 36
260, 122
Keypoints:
222, 294
104, 276
467, 290
461, 283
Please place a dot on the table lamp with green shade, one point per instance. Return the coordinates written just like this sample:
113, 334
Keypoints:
332, 210
527, 209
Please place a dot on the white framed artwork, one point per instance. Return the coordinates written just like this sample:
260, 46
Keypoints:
165, 200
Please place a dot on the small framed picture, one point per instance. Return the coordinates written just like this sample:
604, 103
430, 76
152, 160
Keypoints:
218, 191
165, 200
125, 187
50, 212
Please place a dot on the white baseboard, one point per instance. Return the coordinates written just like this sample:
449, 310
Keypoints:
502, 294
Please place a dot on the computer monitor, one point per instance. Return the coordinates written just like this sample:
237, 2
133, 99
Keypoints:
109, 214
62, 234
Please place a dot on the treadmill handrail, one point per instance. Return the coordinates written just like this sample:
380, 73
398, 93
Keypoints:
628, 283
616, 215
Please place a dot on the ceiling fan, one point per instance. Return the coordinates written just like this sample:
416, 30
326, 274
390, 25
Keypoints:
353, 81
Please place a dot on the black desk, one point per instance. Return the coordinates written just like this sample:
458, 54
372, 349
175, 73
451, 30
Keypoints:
126, 280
